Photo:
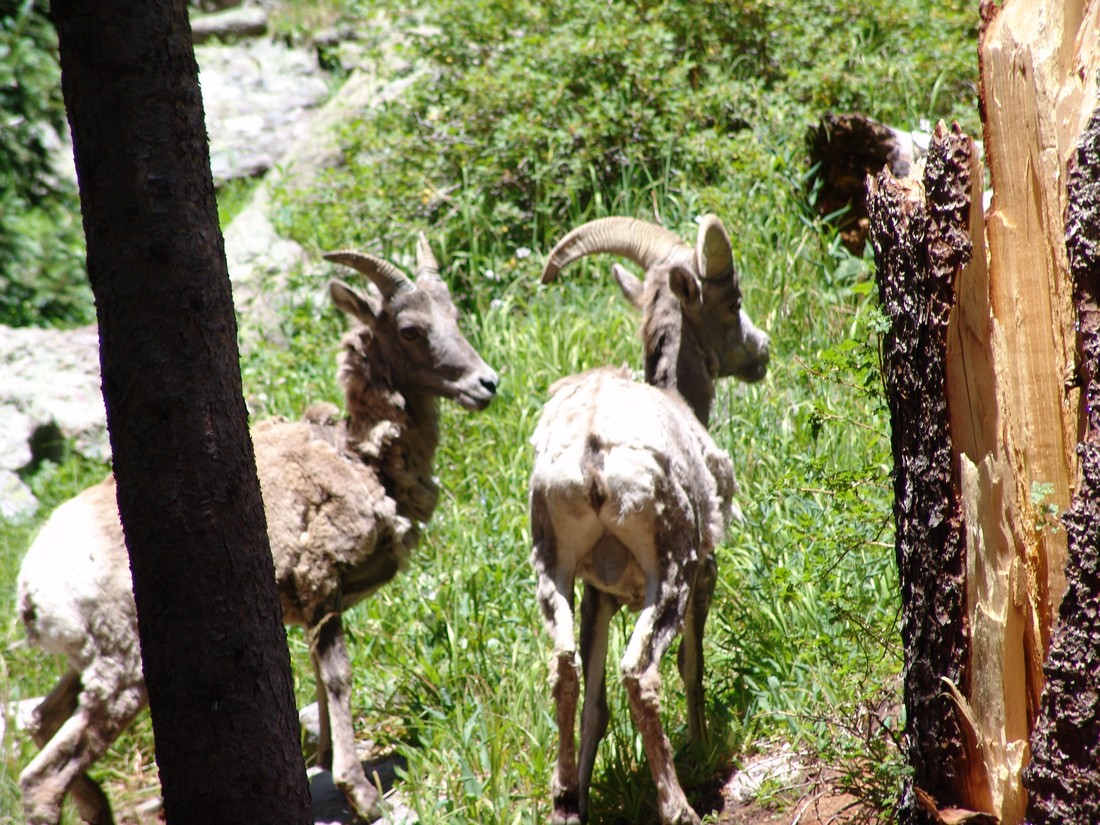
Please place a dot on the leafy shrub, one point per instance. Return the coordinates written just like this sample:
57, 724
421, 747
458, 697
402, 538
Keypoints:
533, 115
42, 277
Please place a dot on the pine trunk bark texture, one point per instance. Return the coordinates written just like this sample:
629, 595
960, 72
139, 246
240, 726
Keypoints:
918, 231
1016, 416
1063, 778
215, 656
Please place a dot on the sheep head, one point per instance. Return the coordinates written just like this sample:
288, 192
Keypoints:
415, 325
703, 280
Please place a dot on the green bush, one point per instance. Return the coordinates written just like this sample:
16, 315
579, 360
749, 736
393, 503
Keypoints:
534, 115
42, 275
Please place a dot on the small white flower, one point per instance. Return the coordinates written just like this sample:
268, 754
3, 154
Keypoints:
522, 252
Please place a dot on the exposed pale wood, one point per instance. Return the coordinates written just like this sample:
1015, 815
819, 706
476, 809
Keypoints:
1063, 778
1015, 412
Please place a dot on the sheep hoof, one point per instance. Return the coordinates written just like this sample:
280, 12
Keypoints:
365, 802
684, 816
565, 818
566, 811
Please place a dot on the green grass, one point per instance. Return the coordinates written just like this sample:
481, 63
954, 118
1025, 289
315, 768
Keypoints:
451, 658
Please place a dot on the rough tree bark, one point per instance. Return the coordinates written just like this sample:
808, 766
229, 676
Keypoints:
1063, 779
1016, 416
918, 231
215, 656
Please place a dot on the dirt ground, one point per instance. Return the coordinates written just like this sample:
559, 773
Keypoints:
821, 806
815, 803
798, 792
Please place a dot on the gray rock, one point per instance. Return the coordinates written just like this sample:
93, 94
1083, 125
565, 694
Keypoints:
258, 96
51, 392
259, 258
52, 377
229, 24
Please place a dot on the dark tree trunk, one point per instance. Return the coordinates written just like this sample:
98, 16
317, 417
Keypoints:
920, 242
215, 655
1063, 779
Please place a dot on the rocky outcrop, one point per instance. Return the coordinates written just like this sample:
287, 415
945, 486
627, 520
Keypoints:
50, 394
269, 115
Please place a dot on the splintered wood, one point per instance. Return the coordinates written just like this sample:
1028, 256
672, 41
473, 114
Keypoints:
1014, 406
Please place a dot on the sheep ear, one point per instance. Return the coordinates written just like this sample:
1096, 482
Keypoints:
352, 302
685, 285
630, 285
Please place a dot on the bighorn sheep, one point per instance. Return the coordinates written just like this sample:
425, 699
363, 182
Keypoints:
344, 504
630, 494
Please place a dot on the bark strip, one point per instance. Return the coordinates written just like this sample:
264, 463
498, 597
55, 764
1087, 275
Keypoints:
1063, 779
919, 234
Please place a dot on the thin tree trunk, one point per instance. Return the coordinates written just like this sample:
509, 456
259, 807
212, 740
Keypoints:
1063, 779
215, 655
920, 242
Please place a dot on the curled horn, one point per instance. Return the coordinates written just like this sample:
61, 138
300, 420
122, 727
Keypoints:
426, 264
713, 251
643, 243
388, 278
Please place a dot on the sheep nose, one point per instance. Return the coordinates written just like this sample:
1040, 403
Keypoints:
489, 382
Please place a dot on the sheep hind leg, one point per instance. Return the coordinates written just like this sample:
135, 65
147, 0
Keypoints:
323, 757
330, 656
597, 608
654, 632
78, 741
690, 656
49, 716
555, 598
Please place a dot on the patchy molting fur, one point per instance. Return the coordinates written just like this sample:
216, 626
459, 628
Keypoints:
344, 501
630, 495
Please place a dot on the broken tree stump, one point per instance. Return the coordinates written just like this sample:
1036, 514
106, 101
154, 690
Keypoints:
1016, 414
1063, 779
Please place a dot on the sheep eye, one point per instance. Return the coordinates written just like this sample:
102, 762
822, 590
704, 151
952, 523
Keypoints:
409, 333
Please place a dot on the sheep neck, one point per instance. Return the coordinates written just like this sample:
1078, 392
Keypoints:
675, 356
394, 429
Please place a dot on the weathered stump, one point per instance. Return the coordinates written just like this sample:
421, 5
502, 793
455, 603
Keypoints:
918, 231
1063, 779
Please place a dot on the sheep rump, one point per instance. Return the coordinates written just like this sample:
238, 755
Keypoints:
633, 472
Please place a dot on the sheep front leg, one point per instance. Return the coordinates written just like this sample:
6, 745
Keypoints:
324, 729
690, 657
330, 661
597, 608
657, 626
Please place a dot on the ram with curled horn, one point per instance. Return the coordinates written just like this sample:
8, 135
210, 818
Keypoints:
345, 498
630, 495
